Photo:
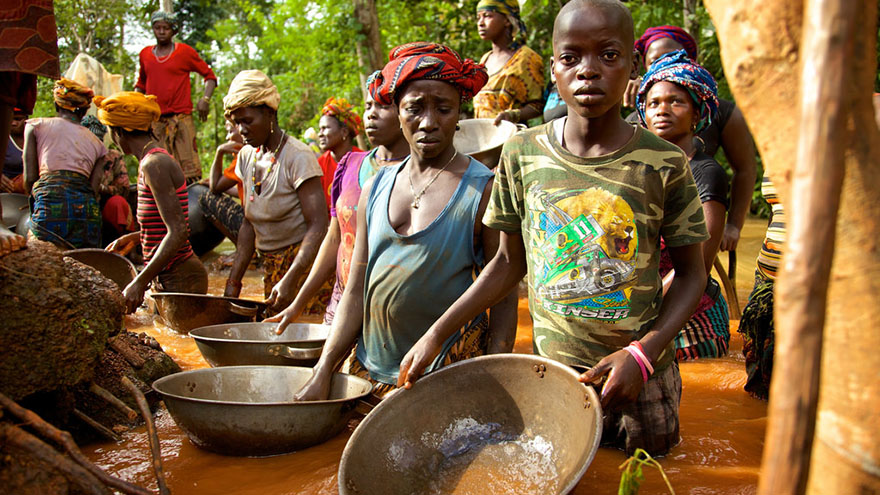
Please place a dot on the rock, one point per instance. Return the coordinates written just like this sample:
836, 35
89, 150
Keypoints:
57, 315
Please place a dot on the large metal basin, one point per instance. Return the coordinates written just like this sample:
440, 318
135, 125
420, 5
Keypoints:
248, 411
482, 139
113, 266
233, 344
15, 207
184, 312
494, 424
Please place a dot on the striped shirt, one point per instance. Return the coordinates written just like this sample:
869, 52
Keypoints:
771, 251
153, 229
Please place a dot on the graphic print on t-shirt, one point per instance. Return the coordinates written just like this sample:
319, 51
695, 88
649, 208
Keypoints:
585, 244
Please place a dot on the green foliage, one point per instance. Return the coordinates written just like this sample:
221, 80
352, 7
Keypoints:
632, 477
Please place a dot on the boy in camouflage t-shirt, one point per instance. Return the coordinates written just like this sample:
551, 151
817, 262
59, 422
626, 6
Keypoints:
591, 229
581, 203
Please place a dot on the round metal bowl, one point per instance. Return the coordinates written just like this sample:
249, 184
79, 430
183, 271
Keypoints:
505, 423
482, 139
113, 266
185, 312
15, 206
248, 411
233, 344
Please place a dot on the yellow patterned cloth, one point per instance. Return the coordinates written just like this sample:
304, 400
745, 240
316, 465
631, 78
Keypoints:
276, 264
71, 95
518, 83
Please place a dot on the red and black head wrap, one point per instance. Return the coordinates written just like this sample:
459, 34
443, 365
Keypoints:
674, 33
421, 60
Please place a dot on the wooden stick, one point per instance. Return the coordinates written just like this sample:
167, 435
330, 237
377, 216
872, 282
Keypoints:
729, 291
826, 52
125, 350
103, 430
64, 439
11, 435
155, 448
113, 400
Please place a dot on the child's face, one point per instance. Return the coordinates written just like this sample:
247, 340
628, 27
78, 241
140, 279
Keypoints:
592, 61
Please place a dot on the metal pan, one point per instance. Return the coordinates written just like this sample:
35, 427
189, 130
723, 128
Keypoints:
248, 411
234, 344
505, 423
15, 206
113, 266
185, 312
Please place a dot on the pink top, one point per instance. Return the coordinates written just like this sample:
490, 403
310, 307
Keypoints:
63, 145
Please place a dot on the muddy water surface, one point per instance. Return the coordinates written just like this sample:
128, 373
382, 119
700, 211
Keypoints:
722, 428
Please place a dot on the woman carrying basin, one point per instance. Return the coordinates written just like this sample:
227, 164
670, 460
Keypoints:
419, 240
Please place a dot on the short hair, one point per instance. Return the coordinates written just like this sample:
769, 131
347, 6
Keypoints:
609, 6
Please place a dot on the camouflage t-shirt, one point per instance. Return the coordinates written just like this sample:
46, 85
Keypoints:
591, 229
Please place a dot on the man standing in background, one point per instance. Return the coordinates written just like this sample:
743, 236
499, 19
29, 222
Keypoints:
164, 71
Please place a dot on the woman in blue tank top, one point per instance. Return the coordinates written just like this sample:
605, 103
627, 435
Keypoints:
420, 242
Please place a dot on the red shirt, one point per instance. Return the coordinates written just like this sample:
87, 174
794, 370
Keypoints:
169, 79
328, 167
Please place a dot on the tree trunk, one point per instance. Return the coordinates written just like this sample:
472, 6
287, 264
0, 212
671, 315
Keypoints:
826, 120
369, 46
689, 12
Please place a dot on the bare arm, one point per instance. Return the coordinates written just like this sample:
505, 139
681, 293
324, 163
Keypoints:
31, 165
495, 282
713, 211
323, 268
314, 211
740, 152
349, 320
502, 315
217, 182
160, 175
244, 252
98, 174
624, 376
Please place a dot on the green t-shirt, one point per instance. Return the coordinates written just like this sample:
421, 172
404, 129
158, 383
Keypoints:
591, 229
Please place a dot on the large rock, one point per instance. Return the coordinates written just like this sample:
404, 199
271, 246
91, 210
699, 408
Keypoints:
56, 315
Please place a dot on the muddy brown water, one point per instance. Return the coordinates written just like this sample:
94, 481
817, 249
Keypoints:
722, 428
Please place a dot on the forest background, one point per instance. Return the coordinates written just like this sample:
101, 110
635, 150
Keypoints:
316, 49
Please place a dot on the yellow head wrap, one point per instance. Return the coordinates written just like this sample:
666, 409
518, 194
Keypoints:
128, 109
251, 88
71, 95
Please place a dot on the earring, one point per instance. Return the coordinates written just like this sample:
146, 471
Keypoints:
457, 127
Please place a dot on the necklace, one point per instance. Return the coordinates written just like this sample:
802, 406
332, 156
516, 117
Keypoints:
164, 59
417, 198
392, 159
256, 186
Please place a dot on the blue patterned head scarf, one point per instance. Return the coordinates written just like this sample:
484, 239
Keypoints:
510, 9
93, 124
676, 67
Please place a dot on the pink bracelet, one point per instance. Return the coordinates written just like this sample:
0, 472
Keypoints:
635, 356
637, 346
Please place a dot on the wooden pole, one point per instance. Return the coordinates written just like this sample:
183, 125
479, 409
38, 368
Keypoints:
802, 288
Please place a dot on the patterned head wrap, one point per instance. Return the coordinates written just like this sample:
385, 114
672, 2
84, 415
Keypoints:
71, 95
129, 110
510, 9
344, 113
251, 88
674, 33
161, 15
92, 123
421, 60
678, 68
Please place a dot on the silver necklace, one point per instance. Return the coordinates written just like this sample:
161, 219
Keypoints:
417, 198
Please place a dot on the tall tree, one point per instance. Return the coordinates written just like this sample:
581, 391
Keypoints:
803, 72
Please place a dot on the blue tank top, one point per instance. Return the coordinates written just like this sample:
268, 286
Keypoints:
411, 280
